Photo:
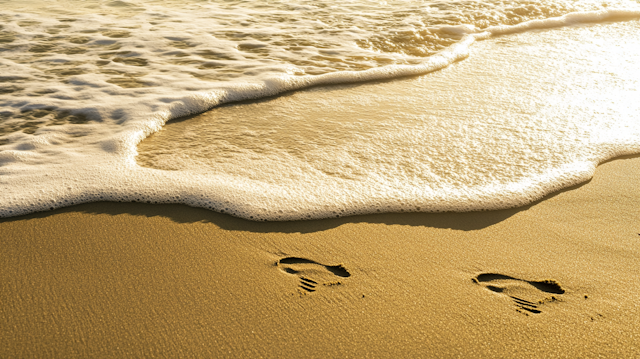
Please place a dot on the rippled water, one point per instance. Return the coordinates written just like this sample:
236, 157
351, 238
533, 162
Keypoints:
83, 82
79, 55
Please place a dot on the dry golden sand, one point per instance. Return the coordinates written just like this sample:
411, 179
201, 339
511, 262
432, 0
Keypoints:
109, 279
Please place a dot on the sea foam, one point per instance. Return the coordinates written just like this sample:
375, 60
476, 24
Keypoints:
76, 141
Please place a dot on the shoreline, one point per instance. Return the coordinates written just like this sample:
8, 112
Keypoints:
137, 279
451, 220
555, 278
38, 189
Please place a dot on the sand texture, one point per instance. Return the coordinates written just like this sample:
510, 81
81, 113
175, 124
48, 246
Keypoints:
555, 279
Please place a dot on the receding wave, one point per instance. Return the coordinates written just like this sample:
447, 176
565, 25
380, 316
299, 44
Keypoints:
80, 97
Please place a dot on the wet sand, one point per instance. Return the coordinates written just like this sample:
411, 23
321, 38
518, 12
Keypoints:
558, 278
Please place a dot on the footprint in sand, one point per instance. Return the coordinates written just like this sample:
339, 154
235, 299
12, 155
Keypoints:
528, 296
311, 273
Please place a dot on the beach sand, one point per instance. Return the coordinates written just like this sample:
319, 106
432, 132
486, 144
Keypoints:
558, 278
112, 279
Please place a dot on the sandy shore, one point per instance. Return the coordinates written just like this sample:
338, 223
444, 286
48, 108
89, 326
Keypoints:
558, 278
109, 279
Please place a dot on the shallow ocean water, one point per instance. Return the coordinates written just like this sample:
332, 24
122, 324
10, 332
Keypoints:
83, 82
521, 117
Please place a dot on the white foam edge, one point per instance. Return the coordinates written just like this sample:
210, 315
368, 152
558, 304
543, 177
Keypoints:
567, 20
263, 202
